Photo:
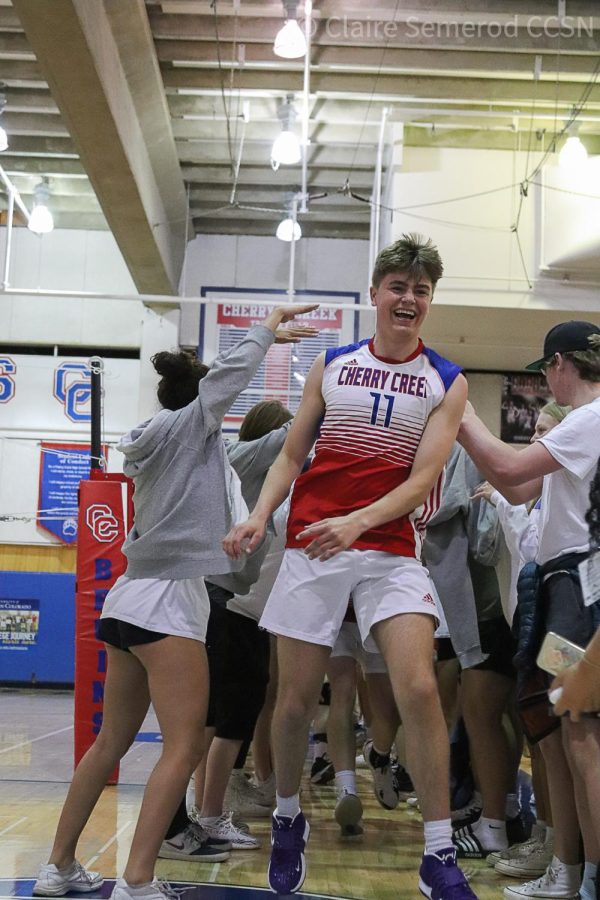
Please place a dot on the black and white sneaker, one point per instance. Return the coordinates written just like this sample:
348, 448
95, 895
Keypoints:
322, 771
468, 845
195, 845
402, 781
384, 785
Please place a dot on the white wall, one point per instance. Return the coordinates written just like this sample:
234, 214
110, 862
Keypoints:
264, 262
483, 267
68, 260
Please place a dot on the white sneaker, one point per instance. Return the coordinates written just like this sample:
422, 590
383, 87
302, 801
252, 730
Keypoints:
246, 799
53, 882
348, 813
236, 833
155, 890
517, 850
384, 785
530, 859
553, 884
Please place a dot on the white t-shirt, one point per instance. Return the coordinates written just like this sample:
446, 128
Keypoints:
575, 444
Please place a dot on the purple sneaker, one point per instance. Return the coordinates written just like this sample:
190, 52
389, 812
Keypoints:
287, 866
441, 879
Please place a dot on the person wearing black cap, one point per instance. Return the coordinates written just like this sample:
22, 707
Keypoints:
560, 467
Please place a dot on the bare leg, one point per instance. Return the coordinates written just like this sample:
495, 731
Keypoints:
200, 772
261, 744
219, 766
301, 671
582, 745
341, 671
562, 799
177, 668
540, 785
448, 671
484, 697
126, 702
385, 720
406, 642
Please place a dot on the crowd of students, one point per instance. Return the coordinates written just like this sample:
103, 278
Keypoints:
377, 557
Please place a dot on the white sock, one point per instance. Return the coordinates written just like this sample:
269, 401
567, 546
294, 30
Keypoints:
568, 877
208, 820
590, 870
288, 806
549, 836
345, 782
491, 833
513, 807
438, 835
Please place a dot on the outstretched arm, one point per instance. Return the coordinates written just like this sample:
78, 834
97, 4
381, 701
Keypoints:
517, 474
331, 536
232, 371
287, 466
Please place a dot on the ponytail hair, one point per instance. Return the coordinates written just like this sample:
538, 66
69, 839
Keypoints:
181, 373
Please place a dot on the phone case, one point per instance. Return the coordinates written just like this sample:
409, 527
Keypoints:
557, 653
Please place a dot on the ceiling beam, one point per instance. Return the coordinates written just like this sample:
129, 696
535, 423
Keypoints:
80, 52
489, 34
447, 63
476, 90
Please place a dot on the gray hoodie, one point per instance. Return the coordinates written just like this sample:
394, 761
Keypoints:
178, 463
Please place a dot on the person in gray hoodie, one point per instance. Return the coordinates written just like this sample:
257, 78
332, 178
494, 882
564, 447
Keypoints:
154, 618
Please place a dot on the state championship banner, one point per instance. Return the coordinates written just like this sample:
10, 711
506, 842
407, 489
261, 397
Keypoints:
282, 374
105, 517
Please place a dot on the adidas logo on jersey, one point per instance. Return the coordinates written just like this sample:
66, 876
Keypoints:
353, 362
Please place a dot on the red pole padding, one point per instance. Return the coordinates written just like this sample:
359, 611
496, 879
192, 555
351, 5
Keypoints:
105, 506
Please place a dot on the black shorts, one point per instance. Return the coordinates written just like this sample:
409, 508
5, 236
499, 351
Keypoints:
238, 663
496, 640
123, 635
564, 611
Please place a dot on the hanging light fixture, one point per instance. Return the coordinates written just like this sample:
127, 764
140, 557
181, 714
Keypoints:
40, 220
286, 146
289, 228
3, 135
290, 42
573, 154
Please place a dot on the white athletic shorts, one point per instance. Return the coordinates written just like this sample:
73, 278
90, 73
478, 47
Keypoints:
349, 643
310, 597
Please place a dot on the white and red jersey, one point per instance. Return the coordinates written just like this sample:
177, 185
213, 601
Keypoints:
376, 410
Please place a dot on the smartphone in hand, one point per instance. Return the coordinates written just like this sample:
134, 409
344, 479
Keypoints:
557, 653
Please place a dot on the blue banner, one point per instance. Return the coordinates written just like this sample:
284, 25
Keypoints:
62, 467
19, 623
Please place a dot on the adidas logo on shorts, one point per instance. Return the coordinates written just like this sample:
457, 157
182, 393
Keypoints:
428, 599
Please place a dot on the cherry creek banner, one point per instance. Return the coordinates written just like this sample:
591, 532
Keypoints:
105, 516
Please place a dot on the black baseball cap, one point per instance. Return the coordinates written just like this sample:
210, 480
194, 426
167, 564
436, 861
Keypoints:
564, 338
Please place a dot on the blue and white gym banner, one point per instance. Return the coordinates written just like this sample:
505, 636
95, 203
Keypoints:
53, 393
62, 467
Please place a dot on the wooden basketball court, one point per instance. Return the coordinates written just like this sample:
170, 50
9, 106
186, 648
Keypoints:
36, 738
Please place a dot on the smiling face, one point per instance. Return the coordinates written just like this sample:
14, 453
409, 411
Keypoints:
402, 302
